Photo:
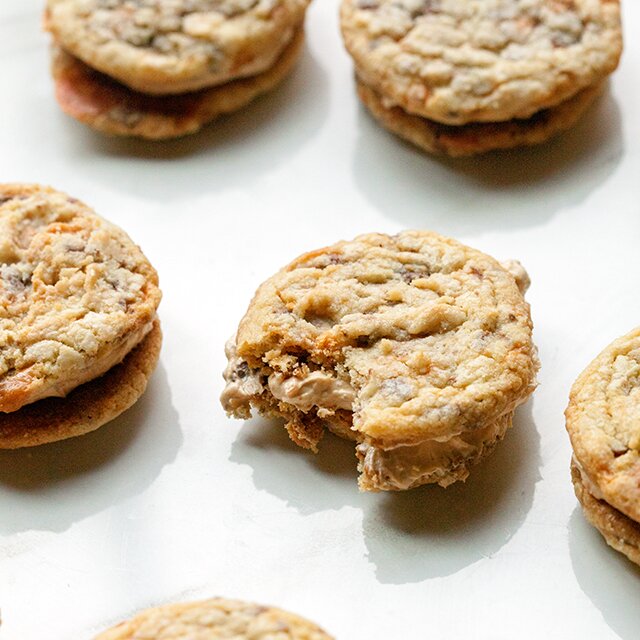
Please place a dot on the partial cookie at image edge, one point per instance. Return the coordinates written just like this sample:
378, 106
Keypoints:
217, 616
619, 531
602, 423
330, 342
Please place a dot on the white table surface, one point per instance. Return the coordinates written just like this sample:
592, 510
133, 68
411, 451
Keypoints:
174, 501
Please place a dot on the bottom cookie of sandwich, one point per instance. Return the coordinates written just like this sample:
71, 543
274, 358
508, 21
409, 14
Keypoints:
476, 138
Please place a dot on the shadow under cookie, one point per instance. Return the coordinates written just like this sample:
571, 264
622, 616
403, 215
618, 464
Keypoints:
481, 137
110, 107
87, 407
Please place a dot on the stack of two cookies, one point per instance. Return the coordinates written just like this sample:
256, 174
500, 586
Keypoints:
79, 335
603, 421
414, 346
161, 69
461, 77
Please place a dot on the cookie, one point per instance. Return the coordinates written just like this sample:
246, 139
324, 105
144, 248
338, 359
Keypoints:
160, 47
87, 407
105, 105
470, 139
76, 298
620, 532
602, 422
415, 346
466, 61
215, 619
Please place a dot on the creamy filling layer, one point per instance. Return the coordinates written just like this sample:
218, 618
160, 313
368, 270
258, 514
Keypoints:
243, 384
317, 389
400, 467
407, 466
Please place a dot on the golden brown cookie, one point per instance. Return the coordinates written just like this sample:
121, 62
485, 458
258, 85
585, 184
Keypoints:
415, 346
467, 61
88, 406
620, 532
108, 106
470, 139
76, 297
215, 619
603, 421
160, 47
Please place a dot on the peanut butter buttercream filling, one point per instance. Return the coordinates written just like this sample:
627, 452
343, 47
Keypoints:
324, 397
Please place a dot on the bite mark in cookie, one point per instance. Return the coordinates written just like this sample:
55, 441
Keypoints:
392, 341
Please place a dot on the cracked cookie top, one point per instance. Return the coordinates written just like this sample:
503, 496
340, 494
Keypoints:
603, 421
434, 337
461, 61
215, 618
76, 295
175, 46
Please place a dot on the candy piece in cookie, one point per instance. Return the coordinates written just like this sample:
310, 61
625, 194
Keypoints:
602, 421
414, 346
435, 71
156, 70
79, 335
215, 619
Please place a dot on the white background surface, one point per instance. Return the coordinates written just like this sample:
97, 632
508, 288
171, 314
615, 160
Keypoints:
175, 501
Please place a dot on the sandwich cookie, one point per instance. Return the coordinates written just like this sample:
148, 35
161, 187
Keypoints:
463, 77
414, 346
158, 69
603, 421
79, 335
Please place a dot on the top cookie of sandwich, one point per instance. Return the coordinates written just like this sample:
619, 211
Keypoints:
175, 46
433, 337
603, 421
76, 295
461, 61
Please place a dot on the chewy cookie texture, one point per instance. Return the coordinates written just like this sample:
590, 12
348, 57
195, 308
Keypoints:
461, 77
157, 69
414, 346
215, 619
79, 335
603, 421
